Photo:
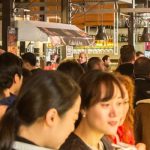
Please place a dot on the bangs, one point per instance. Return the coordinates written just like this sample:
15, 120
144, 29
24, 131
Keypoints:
108, 83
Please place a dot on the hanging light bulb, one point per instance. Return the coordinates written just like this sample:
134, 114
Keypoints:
101, 34
146, 32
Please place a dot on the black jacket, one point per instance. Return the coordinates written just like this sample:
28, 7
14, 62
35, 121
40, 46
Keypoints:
8, 101
126, 69
142, 89
75, 143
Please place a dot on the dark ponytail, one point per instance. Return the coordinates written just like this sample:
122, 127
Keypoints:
40, 93
8, 128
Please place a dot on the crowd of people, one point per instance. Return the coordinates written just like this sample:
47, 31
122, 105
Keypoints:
82, 105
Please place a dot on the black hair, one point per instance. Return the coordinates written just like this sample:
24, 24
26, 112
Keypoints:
92, 62
43, 91
26, 74
138, 53
142, 67
30, 58
105, 58
10, 65
71, 68
48, 63
127, 53
91, 91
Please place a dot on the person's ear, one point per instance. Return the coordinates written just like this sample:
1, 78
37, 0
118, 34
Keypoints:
16, 78
26, 65
52, 117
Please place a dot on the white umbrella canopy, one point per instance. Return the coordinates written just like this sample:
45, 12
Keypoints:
58, 33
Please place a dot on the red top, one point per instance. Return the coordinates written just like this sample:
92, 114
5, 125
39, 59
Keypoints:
125, 135
51, 67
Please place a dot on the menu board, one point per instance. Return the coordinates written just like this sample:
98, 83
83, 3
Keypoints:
69, 51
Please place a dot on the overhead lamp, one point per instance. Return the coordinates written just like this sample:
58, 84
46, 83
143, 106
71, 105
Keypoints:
101, 34
146, 34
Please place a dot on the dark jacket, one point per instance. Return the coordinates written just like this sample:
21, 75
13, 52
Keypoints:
142, 122
84, 66
8, 100
75, 143
126, 69
142, 89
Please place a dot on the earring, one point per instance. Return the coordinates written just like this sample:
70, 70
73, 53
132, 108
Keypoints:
84, 115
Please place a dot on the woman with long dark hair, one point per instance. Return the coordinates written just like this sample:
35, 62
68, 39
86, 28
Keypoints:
101, 110
43, 115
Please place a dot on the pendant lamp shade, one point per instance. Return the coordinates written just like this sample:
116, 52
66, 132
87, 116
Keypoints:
101, 34
146, 35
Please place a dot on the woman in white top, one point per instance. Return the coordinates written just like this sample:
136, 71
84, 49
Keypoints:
43, 115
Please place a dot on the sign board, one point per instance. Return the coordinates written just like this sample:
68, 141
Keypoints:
69, 51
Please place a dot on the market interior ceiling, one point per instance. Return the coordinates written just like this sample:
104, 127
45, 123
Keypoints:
83, 12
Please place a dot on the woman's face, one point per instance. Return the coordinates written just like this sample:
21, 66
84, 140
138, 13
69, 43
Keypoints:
65, 125
125, 105
104, 117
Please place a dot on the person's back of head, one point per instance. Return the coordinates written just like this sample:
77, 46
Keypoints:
29, 60
48, 63
43, 101
71, 68
10, 72
142, 67
127, 54
105, 58
95, 63
26, 75
139, 54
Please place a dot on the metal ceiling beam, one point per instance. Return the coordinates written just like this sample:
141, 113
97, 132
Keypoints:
135, 10
39, 4
105, 1
122, 10
44, 12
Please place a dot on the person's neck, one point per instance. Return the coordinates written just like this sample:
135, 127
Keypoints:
12, 91
90, 136
30, 133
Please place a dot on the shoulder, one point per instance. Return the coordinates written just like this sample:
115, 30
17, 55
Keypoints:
143, 103
73, 142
